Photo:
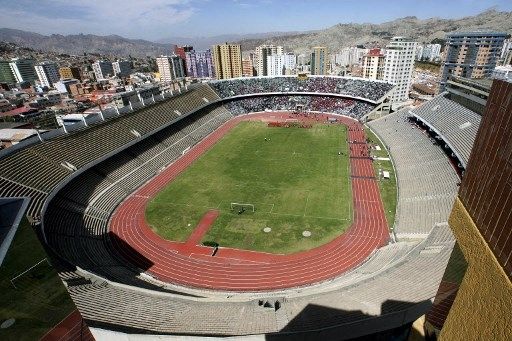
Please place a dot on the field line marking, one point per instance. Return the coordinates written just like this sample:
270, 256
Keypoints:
306, 205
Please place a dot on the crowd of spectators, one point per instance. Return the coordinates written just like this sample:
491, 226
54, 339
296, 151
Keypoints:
344, 86
336, 105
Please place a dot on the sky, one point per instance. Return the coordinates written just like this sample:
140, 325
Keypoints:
163, 19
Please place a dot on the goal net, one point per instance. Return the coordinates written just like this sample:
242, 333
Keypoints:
241, 206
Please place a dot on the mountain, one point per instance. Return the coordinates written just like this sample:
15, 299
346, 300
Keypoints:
203, 43
426, 30
79, 43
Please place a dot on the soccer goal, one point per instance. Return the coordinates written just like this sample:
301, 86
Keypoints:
235, 205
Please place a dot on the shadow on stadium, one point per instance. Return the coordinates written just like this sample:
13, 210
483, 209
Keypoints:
316, 322
80, 239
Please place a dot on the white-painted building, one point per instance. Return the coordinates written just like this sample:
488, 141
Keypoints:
48, 73
278, 64
399, 66
349, 56
502, 72
431, 52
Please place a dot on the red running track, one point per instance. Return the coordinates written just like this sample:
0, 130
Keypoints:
241, 270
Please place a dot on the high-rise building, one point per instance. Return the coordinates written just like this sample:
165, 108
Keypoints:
349, 56
181, 52
471, 54
227, 59
102, 70
399, 65
170, 68
199, 64
23, 70
47, 73
122, 68
262, 52
373, 64
6, 74
278, 64
319, 61
70, 73
248, 68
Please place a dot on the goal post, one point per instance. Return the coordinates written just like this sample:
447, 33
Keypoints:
243, 205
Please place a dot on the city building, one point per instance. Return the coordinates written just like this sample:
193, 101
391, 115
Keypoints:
319, 61
199, 64
431, 52
170, 68
281, 64
227, 59
502, 72
63, 86
349, 56
399, 65
248, 68
506, 52
102, 70
47, 73
178, 66
419, 52
70, 72
23, 70
122, 68
262, 52
181, 51
6, 74
471, 54
373, 64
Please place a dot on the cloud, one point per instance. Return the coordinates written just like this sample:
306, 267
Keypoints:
148, 19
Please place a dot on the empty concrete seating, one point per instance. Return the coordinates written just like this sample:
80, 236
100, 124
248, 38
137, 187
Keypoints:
453, 122
427, 181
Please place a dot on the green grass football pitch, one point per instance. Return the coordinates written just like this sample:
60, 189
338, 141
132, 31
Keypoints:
296, 181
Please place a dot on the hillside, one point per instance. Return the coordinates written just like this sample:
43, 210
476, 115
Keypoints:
343, 35
79, 43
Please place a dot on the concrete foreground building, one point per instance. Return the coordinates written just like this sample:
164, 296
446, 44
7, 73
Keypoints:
471, 54
227, 59
399, 65
47, 73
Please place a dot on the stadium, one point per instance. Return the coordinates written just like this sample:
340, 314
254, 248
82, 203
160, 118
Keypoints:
100, 188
